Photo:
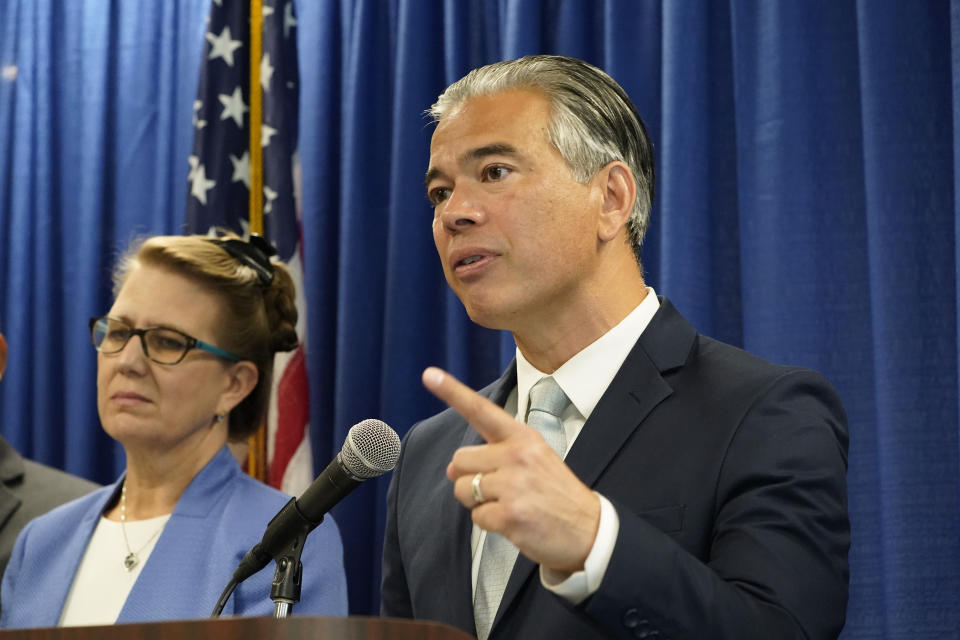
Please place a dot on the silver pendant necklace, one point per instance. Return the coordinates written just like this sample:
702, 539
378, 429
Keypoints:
132, 559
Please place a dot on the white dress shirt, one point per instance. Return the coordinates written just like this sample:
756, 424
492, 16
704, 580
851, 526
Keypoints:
584, 378
102, 583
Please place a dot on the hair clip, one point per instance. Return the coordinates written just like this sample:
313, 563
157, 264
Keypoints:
255, 253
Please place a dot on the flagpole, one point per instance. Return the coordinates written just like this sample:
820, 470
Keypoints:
257, 454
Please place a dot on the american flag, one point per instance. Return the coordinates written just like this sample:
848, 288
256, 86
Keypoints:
219, 187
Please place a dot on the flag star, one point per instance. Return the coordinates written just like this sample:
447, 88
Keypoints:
288, 19
266, 132
241, 168
233, 106
266, 71
270, 195
267, 11
222, 46
200, 183
197, 122
219, 3
194, 162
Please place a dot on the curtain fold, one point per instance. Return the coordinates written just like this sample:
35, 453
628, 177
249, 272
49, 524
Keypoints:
910, 242
699, 252
806, 209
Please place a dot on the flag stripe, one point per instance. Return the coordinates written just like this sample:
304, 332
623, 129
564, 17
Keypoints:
293, 415
223, 173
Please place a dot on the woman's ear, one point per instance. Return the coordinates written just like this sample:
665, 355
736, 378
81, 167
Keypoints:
619, 194
243, 378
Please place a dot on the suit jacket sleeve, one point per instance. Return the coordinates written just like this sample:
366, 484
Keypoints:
774, 564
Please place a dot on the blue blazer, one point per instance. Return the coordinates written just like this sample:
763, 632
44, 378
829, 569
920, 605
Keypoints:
220, 516
728, 476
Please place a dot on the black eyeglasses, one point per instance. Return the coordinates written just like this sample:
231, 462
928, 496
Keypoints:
160, 344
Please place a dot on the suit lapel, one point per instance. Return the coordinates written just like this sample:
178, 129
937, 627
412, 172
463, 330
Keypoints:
636, 390
11, 472
9, 503
460, 569
457, 566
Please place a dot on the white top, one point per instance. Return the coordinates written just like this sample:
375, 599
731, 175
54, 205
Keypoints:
102, 583
584, 378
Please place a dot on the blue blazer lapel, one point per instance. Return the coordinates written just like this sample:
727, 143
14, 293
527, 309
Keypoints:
155, 595
50, 606
636, 390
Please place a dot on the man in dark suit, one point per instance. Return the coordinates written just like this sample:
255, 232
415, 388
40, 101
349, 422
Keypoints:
671, 486
28, 488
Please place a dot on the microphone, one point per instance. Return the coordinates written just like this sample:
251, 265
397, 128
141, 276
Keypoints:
371, 449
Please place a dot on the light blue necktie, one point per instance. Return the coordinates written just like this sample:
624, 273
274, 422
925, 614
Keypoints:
547, 402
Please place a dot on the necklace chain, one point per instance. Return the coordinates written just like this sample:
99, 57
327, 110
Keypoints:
132, 559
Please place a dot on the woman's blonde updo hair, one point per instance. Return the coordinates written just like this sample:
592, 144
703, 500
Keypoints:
260, 313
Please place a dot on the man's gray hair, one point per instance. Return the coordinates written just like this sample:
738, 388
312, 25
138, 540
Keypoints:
594, 122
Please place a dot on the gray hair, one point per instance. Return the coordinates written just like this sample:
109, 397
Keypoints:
594, 122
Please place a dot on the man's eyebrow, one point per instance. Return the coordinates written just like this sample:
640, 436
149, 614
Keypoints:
494, 149
432, 174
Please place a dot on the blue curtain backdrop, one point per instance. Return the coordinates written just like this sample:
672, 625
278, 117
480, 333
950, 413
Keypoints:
807, 157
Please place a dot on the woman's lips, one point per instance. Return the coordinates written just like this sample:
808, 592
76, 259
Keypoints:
128, 398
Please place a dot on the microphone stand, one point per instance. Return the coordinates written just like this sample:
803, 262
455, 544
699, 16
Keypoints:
288, 576
287, 532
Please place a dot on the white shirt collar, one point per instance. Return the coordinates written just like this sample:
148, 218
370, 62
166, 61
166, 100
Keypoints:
586, 376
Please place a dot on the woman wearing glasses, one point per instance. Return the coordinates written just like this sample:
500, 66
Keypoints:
184, 365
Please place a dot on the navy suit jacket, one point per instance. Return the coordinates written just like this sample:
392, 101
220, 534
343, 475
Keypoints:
728, 474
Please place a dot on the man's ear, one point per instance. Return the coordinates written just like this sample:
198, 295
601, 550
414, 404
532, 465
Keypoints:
619, 194
243, 378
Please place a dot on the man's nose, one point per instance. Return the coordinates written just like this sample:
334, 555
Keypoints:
464, 208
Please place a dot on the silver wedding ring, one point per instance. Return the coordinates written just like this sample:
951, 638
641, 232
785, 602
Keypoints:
477, 493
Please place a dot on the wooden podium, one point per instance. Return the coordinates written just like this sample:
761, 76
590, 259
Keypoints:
292, 628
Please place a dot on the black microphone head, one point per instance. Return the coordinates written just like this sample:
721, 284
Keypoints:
371, 449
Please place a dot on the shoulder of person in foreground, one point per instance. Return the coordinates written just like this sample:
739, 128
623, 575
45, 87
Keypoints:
43, 488
30, 489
